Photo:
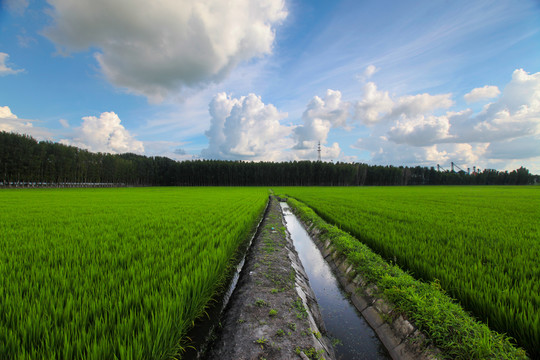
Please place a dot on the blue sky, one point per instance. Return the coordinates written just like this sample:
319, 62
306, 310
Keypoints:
383, 82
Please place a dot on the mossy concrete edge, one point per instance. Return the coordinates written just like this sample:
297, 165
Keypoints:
402, 339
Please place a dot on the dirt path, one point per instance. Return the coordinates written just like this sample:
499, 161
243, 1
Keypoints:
272, 313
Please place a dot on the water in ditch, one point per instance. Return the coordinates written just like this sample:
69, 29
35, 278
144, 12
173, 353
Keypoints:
353, 338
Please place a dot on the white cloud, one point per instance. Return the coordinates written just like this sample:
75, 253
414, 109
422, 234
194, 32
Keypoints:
5, 113
64, 123
246, 128
385, 152
414, 105
376, 106
368, 73
483, 93
370, 70
515, 114
420, 131
319, 117
9, 122
4, 68
373, 106
158, 49
407, 131
104, 134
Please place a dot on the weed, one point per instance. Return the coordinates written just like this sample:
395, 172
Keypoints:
299, 309
261, 341
260, 303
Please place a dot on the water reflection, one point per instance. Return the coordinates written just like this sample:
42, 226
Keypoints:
355, 338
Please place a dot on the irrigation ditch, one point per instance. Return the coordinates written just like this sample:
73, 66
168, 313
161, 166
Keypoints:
272, 313
270, 309
396, 337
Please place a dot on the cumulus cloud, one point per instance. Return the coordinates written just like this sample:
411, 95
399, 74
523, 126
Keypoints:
407, 130
4, 68
383, 151
515, 114
483, 93
104, 134
245, 128
416, 105
374, 105
5, 113
9, 122
319, 117
420, 131
157, 49
377, 106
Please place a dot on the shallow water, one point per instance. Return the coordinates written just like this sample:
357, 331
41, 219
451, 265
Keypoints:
354, 338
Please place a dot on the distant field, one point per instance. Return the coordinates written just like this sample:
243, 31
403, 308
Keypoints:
114, 273
482, 243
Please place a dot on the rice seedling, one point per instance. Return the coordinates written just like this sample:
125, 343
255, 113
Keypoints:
114, 273
481, 244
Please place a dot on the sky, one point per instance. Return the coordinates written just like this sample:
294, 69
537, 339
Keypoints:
385, 82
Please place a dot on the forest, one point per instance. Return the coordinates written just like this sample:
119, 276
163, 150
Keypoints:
24, 161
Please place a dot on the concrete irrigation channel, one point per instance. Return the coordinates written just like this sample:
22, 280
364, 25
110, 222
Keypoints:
273, 312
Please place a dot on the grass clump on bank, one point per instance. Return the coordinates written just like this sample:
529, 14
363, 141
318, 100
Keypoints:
447, 325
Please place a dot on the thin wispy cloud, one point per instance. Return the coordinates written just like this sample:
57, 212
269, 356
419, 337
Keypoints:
5, 69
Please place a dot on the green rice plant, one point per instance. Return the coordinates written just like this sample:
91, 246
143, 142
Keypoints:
115, 273
482, 244
446, 324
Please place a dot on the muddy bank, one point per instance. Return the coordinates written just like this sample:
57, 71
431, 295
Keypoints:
272, 313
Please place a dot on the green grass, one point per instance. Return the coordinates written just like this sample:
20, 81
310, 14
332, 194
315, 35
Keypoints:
114, 273
481, 243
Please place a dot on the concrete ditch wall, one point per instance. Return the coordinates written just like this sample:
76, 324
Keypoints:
401, 338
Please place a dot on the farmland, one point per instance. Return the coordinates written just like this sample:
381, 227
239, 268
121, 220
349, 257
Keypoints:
114, 273
481, 243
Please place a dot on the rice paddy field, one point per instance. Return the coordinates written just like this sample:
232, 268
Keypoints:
114, 273
481, 243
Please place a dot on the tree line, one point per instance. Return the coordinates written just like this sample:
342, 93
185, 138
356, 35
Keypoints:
25, 161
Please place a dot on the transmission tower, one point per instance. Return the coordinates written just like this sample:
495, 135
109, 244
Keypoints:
319, 151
